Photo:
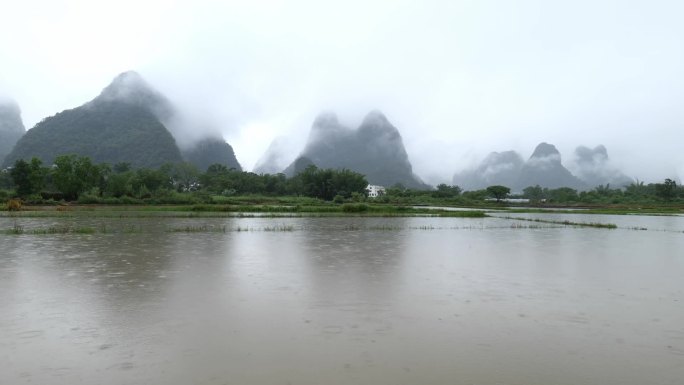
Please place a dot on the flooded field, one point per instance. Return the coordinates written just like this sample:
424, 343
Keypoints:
342, 300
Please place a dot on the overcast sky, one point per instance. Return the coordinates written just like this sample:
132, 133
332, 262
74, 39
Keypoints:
457, 78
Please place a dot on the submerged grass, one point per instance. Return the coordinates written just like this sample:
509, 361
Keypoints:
198, 229
241, 210
51, 230
567, 223
428, 227
223, 229
385, 228
618, 210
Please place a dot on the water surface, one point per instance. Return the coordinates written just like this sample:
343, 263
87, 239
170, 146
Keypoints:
342, 301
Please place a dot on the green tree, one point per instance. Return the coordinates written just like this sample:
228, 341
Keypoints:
326, 183
475, 195
446, 191
666, 190
21, 173
498, 192
637, 190
6, 181
29, 178
74, 175
120, 184
146, 182
561, 195
122, 167
533, 193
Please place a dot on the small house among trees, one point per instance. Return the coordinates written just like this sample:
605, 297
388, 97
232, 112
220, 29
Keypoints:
375, 191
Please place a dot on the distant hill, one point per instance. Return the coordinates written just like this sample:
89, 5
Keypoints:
11, 127
594, 167
127, 122
375, 149
498, 168
272, 161
544, 168
300, 164
120, 125
211, 151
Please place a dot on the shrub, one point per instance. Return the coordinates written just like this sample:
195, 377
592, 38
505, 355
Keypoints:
354, 207
14, 205
89, 199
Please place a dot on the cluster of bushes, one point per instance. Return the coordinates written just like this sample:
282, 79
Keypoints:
76, 178
638, 192
667, 192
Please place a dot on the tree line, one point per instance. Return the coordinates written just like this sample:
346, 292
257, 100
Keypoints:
77, 178
74, 177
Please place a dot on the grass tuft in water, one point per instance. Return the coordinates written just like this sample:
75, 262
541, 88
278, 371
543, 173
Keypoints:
567, 223
15, 230
428, 227
199, 229
385, 228
279, 228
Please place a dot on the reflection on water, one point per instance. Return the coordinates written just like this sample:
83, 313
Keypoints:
342, 301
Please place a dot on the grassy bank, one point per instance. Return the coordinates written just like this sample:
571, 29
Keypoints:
240, 209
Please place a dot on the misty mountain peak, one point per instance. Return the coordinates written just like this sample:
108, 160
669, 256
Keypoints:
545, 150
9, 107
376, 127
326, 119
11, 126
374, 149
598, 154
594, 167
130, 88
128, 122
10, 117
125, 84
375, 118
510, 157
497, 168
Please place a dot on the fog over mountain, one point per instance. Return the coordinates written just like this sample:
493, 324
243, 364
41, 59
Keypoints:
591, 167
211, 151
595, 168
122, 124
544, 168
199, 142
11, 126
276, 158
374, 149
126, 122
459, 78
498, 168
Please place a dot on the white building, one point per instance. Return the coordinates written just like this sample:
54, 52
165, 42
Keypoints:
375, 191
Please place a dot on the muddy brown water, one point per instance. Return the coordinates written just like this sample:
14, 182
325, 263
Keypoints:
342, 301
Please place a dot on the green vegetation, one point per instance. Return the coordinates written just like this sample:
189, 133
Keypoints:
20, 230
211, 151
567, 223
498, 192
180, 186
105, 131
77, 179
638, 193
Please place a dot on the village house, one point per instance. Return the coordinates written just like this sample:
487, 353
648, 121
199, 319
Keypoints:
375, 191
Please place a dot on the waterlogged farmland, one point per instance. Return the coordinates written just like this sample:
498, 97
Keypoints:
342, 300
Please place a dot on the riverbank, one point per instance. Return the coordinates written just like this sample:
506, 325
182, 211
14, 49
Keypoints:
304, 206
241, 210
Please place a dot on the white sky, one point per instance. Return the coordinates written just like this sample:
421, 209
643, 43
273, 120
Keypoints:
457, 78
